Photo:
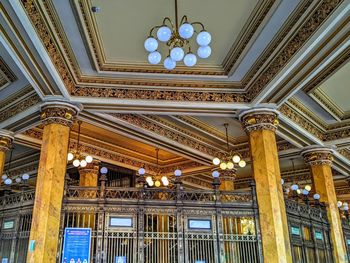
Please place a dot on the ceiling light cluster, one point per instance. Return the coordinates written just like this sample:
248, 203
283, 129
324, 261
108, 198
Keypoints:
7, 180
77, 158
177, 38
229, 160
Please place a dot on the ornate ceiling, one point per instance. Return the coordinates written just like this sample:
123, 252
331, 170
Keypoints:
292, 55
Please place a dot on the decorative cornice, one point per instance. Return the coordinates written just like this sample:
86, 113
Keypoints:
316, 155
59, 112
10, 76
259, 119
310, 26
6, 139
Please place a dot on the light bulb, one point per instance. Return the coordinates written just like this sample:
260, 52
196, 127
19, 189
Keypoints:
177, 54
169, 63
316, 196
294, 187
103, 170
282, 181
177, 172
4, 177
190, 60
150, 183
164, 33
88, 159
186, 31
149, 179
142, 171
151, 44
70, 156
242, 163
25, 176
307, 188
8, 181
157, 183
83, 163
203, 38
215, 174
216, 161
298, 191
339, 203
223, 166
76, 163
346, 208
164, 178
230, 165
305, 192
166, 183
236, 158
204, 52
154, 57
18, 179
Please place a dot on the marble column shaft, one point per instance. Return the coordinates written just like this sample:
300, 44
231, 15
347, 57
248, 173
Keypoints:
320, 161
6, 139
260, 125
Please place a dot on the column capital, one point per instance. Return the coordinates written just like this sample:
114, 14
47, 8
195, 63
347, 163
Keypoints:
317, 155
93, 167
228, 175
259, 119
6, 139
59, 111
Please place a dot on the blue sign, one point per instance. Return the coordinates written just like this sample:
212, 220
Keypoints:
119, 259
319, 235
76, 245
295, 231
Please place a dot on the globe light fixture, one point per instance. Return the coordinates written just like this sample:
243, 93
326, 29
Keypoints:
215, 174
339, 203
307, 188
177, 38
18, 179
4, 177
157, 183
8, 181
25, 176
316, 196
141, 171
177, 172
103, 170
229, 160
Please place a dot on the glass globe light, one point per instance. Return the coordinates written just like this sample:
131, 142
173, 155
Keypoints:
294, 187
307, 188
204, 52
4, 177
70, 156
83, 163
142, 171
216, 161
186, 30
25, 176
18, 179
169, 63
151, 44
346, 208
242, 163
177, 172
8, 181
316, 196
305, 192
230, 165
103, 170
150, 183
177, 54
215, 174
154, 57
298, 191
282, 181
164, 33
236, 158
164, 178
190, 60
345, 204
339, 203
157, 183
165, 183
76, 163
148, 179
203, 38
223, 166
88, 159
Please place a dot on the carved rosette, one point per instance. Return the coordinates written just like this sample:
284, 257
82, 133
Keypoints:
259, 119
318, 156
6, 139
59, 113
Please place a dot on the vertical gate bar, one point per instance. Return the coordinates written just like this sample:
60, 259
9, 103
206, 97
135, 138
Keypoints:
141, 232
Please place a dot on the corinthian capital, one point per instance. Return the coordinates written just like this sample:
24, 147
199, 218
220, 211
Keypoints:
316, 155
6, 139
259, 119
60, 112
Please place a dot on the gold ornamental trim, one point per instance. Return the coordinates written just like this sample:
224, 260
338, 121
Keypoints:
259, 119
6, 140
315, 155
58, 113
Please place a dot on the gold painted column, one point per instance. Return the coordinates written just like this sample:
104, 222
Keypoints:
227, 178
6, 139
260, 125
320, 161
57, 118
89, 174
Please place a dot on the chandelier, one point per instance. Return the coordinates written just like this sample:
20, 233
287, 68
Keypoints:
158, 179
177, 39
79, 160
6, 176
230, 159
